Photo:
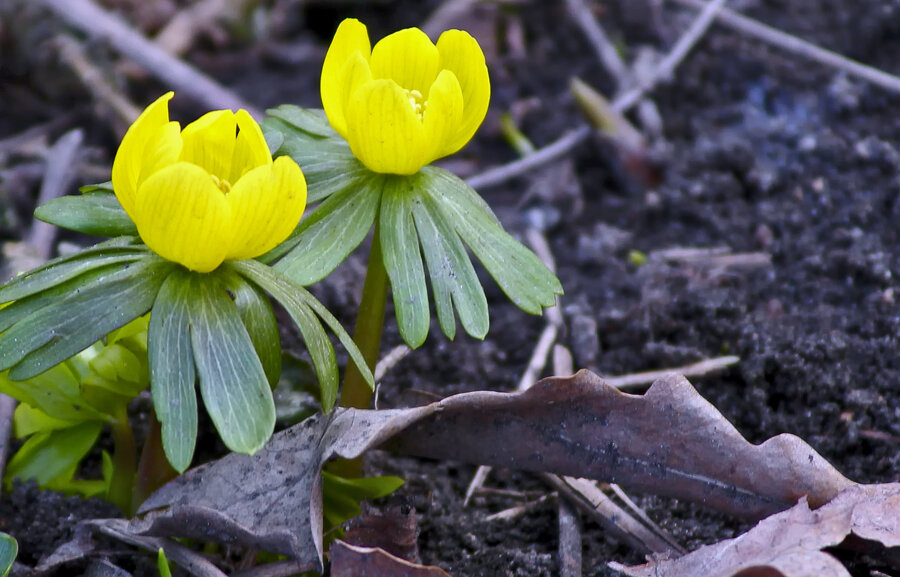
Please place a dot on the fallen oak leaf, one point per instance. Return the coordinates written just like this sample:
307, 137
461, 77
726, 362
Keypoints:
790, 543
392, 530
353, 561
669, 441
271, 501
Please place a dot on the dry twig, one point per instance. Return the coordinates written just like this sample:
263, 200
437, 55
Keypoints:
569, 141
581, 14
585, 495
697, 369
90, 18
72, 53
541, 351
800, 47
675, 56
62, 162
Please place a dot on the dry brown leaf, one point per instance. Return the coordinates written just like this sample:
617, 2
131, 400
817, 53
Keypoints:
790, 543
392, 529
669, 441
353, 561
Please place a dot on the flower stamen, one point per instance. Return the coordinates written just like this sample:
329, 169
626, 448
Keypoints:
223, 184
418, 102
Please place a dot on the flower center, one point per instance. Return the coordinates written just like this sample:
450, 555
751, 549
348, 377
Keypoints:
223, 184
418, 102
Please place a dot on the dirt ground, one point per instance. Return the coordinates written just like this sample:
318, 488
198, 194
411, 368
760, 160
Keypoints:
791, 166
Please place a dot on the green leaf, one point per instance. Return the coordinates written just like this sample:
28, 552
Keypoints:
310, 120
319, 346
324, 238
120, 370
328, 164
19, 309
59, 270
48, 456
294, 297
98, 187
162, 564
403, 261
451, 273
96, 213
341, 497
172, 371
259, 319
28, 420
519, 272
232, 380
56, 392
9, 550
62, 329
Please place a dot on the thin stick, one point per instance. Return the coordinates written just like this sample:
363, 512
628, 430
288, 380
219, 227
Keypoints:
518, 510
675, 56
569, 540
542, 156
799, 47
91, 19
562, 365
697, 369
569, 521
599, 41
581, 14
72, 53
62, 162
388, 361
642, 515
585, 495
541, 351
569, 141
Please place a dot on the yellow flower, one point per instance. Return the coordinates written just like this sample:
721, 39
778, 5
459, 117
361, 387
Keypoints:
208, 193
406, 102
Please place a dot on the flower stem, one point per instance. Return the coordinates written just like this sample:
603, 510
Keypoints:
154, 470
369, 324
124, 463
367, 335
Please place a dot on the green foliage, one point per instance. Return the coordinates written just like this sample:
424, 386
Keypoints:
162, 564
96, 212
216, 329
432, 214
341, 497
62, 412
9, 550
308, 314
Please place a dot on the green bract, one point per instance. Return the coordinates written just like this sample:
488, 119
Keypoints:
61, 413
9, 549
214, 328
427, 219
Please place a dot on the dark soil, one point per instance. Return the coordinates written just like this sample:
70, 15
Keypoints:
762, 152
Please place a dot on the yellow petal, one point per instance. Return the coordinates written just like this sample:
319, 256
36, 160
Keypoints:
209, 142
127, 165
162, 149
250, 148
408, 58
442, 114
461, 55
351, 37
184, 217
266, 205
355, 73
384, 131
